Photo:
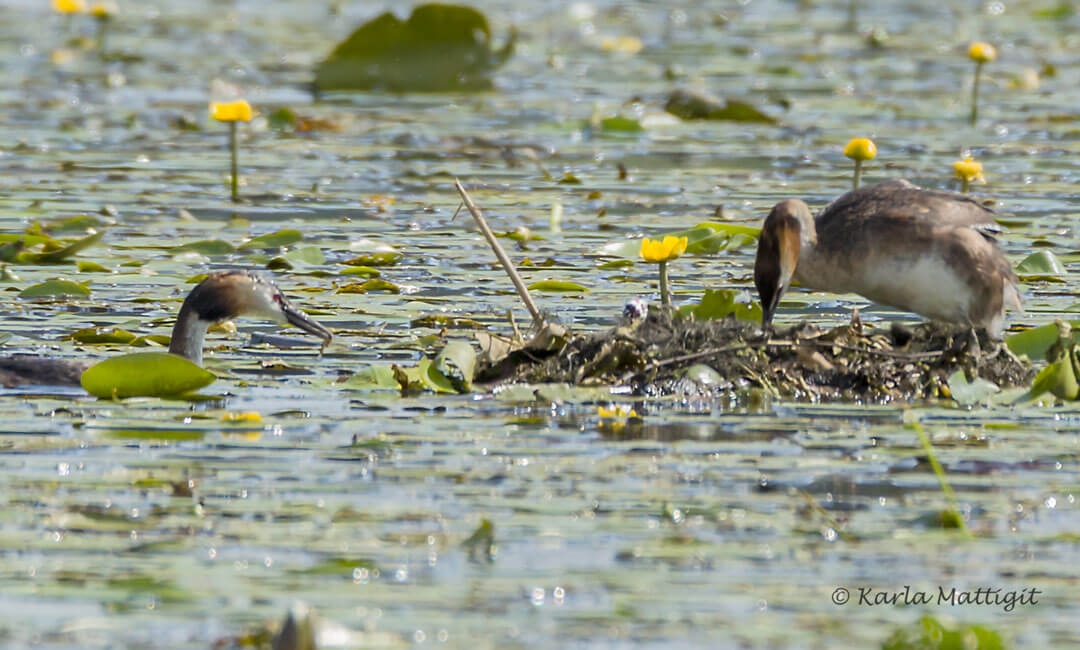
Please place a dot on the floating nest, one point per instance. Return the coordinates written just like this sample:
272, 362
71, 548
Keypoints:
665, 355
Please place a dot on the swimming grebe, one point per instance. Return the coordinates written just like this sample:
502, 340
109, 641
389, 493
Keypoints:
222, 296
924, 251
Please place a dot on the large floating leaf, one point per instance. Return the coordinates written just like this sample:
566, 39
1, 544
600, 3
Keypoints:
558, 286
439, 48
1041, 265
688, 105
970, 392
209, 247
721, 303
276, 239
373, 377
457, 362
57, 288
1037, 341
101, 336
60, 255
369, 286
151, 374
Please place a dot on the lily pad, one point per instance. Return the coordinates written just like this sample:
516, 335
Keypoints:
558, 286
721, 303
57, 288
457, 362
103, 336
1037, 341
688, 105
369, 286
970, 392
209, 247
373, 377
151, 374
60, 255
362, 271
439, 48
276, 239
1041, 266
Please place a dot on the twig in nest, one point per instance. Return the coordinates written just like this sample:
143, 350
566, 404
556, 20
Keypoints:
507, 265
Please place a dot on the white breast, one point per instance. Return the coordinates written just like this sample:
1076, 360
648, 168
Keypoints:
922, 284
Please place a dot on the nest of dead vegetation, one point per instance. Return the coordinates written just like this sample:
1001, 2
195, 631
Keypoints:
663, 355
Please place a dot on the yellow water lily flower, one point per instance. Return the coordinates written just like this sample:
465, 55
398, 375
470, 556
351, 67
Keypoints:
248, 416
980, 52
617, 411
238, 111
664, 250
860, 149
68, 6
969, 170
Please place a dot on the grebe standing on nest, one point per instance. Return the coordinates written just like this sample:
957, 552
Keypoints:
925, 251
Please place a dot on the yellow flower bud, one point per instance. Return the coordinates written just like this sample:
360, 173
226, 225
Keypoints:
238, 111
68, 6
103, 10
860, 149
663, 251
969, 170
980, 52
249, 416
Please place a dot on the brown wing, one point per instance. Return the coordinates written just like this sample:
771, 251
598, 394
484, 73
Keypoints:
857, 219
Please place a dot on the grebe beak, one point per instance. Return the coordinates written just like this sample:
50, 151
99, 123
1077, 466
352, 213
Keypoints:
298, 318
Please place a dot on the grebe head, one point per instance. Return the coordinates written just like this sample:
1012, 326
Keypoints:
230, 294
778, 252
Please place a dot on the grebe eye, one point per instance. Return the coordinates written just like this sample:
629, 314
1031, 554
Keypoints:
277, 298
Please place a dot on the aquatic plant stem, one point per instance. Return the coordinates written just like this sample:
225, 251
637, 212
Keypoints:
950, 496
102, 32
504, 259
235, 168
965, 185
665, 290
975, 93
858, 175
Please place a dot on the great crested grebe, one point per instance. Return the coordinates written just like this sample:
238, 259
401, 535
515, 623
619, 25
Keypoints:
222, 296
925, 251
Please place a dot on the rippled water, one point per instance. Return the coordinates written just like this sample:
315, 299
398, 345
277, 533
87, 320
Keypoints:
155, 523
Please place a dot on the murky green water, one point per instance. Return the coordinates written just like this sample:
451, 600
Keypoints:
157, 524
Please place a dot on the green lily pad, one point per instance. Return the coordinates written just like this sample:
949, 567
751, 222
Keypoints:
721, 303
60, 255
621, 124
370, 285
276, 239
687, 105
432, 379
457, 362
373, 377
558, 286
439, 48
384, 258
208, 247
1037, 341
362, 271
151, 374
102, 336
56, 288
970, 392
86, 266
929, 634
1041, 266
